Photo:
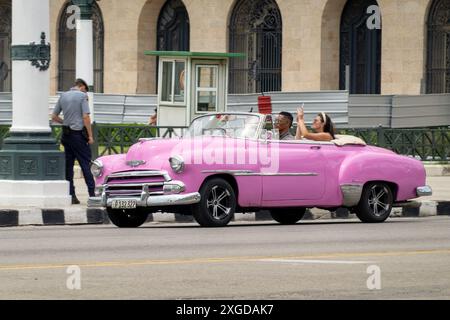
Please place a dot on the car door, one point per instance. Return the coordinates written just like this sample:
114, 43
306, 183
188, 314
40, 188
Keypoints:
300, 174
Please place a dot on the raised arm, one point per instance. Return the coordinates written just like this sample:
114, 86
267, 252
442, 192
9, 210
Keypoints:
303, 133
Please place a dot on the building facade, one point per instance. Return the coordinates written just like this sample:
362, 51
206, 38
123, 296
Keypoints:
365, 46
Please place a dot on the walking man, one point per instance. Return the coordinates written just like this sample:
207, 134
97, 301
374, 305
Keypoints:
77, 134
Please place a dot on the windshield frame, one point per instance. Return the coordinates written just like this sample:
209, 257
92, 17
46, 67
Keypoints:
257, 131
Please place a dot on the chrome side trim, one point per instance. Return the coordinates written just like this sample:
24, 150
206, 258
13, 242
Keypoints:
234, 172
424, 191
251, 173
293, 174
352, 194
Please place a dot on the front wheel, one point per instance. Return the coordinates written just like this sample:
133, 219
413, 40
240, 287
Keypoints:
376, 203
217, 205
127, 218
288, 215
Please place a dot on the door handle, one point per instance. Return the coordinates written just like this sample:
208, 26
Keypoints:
316, 147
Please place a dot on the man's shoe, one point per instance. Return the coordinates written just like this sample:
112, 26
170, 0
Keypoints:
75, 200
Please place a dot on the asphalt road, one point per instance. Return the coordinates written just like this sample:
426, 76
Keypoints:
402, 259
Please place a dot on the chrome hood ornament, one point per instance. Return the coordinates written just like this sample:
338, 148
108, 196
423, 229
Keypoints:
135, 163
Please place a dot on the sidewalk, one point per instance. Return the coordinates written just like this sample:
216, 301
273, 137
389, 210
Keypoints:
437, 204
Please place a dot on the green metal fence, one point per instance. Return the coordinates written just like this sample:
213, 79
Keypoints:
426, 144
117, 139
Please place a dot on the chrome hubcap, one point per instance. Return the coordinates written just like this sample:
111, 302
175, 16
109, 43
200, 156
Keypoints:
379, 200
218, 203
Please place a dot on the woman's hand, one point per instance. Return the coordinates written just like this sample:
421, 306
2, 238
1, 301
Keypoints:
300, 114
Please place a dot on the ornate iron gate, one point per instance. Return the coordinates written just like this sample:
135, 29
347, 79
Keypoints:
255, 29
438, 51
173, 32
173, 27
67, 50
360, 49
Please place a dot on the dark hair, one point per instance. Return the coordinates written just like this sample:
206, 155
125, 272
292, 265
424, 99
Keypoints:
81, 82
329, 125
289, 116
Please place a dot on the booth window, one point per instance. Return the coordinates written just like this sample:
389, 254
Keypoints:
206, 88
173, 80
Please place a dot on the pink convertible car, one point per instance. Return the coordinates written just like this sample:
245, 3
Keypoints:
234, 162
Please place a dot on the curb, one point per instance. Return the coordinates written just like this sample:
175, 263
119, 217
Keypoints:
52, 217
82, 216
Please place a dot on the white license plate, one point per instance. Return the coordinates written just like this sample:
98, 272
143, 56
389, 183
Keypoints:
124, 204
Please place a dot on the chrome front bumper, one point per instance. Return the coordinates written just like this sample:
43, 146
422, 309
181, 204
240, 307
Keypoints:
172, 193
424, 191
153, 201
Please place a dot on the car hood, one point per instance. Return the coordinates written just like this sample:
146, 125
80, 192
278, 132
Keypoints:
156, 152
380, 150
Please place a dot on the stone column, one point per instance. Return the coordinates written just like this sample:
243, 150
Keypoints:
85, 48
31, 165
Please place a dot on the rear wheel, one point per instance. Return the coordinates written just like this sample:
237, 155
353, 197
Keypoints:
376, 203
127, 218
217, 205
287, 215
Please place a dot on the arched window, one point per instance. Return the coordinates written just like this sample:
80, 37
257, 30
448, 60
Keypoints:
438, 53
255, 29
173, 27
67, 50
360, 49
5, 45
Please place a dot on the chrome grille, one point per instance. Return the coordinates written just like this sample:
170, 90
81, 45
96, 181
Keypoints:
135, 183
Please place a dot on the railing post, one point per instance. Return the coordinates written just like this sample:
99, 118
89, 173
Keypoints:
381, 141
94, 147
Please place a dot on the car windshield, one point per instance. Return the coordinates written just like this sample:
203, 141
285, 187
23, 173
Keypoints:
229, 125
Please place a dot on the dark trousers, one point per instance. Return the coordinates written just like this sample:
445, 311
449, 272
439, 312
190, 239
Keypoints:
76, 147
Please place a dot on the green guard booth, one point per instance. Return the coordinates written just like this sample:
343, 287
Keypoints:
191, 84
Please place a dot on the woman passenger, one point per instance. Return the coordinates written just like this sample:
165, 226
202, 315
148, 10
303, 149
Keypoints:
322, 125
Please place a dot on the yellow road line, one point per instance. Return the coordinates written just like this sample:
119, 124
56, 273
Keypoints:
220, 260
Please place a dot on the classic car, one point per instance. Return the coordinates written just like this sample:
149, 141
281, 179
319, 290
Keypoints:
234, 162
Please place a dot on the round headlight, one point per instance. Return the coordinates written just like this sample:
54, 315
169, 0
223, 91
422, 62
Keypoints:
97, 168
177, 164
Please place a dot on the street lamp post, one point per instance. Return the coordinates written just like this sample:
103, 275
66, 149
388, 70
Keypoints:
31, 165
